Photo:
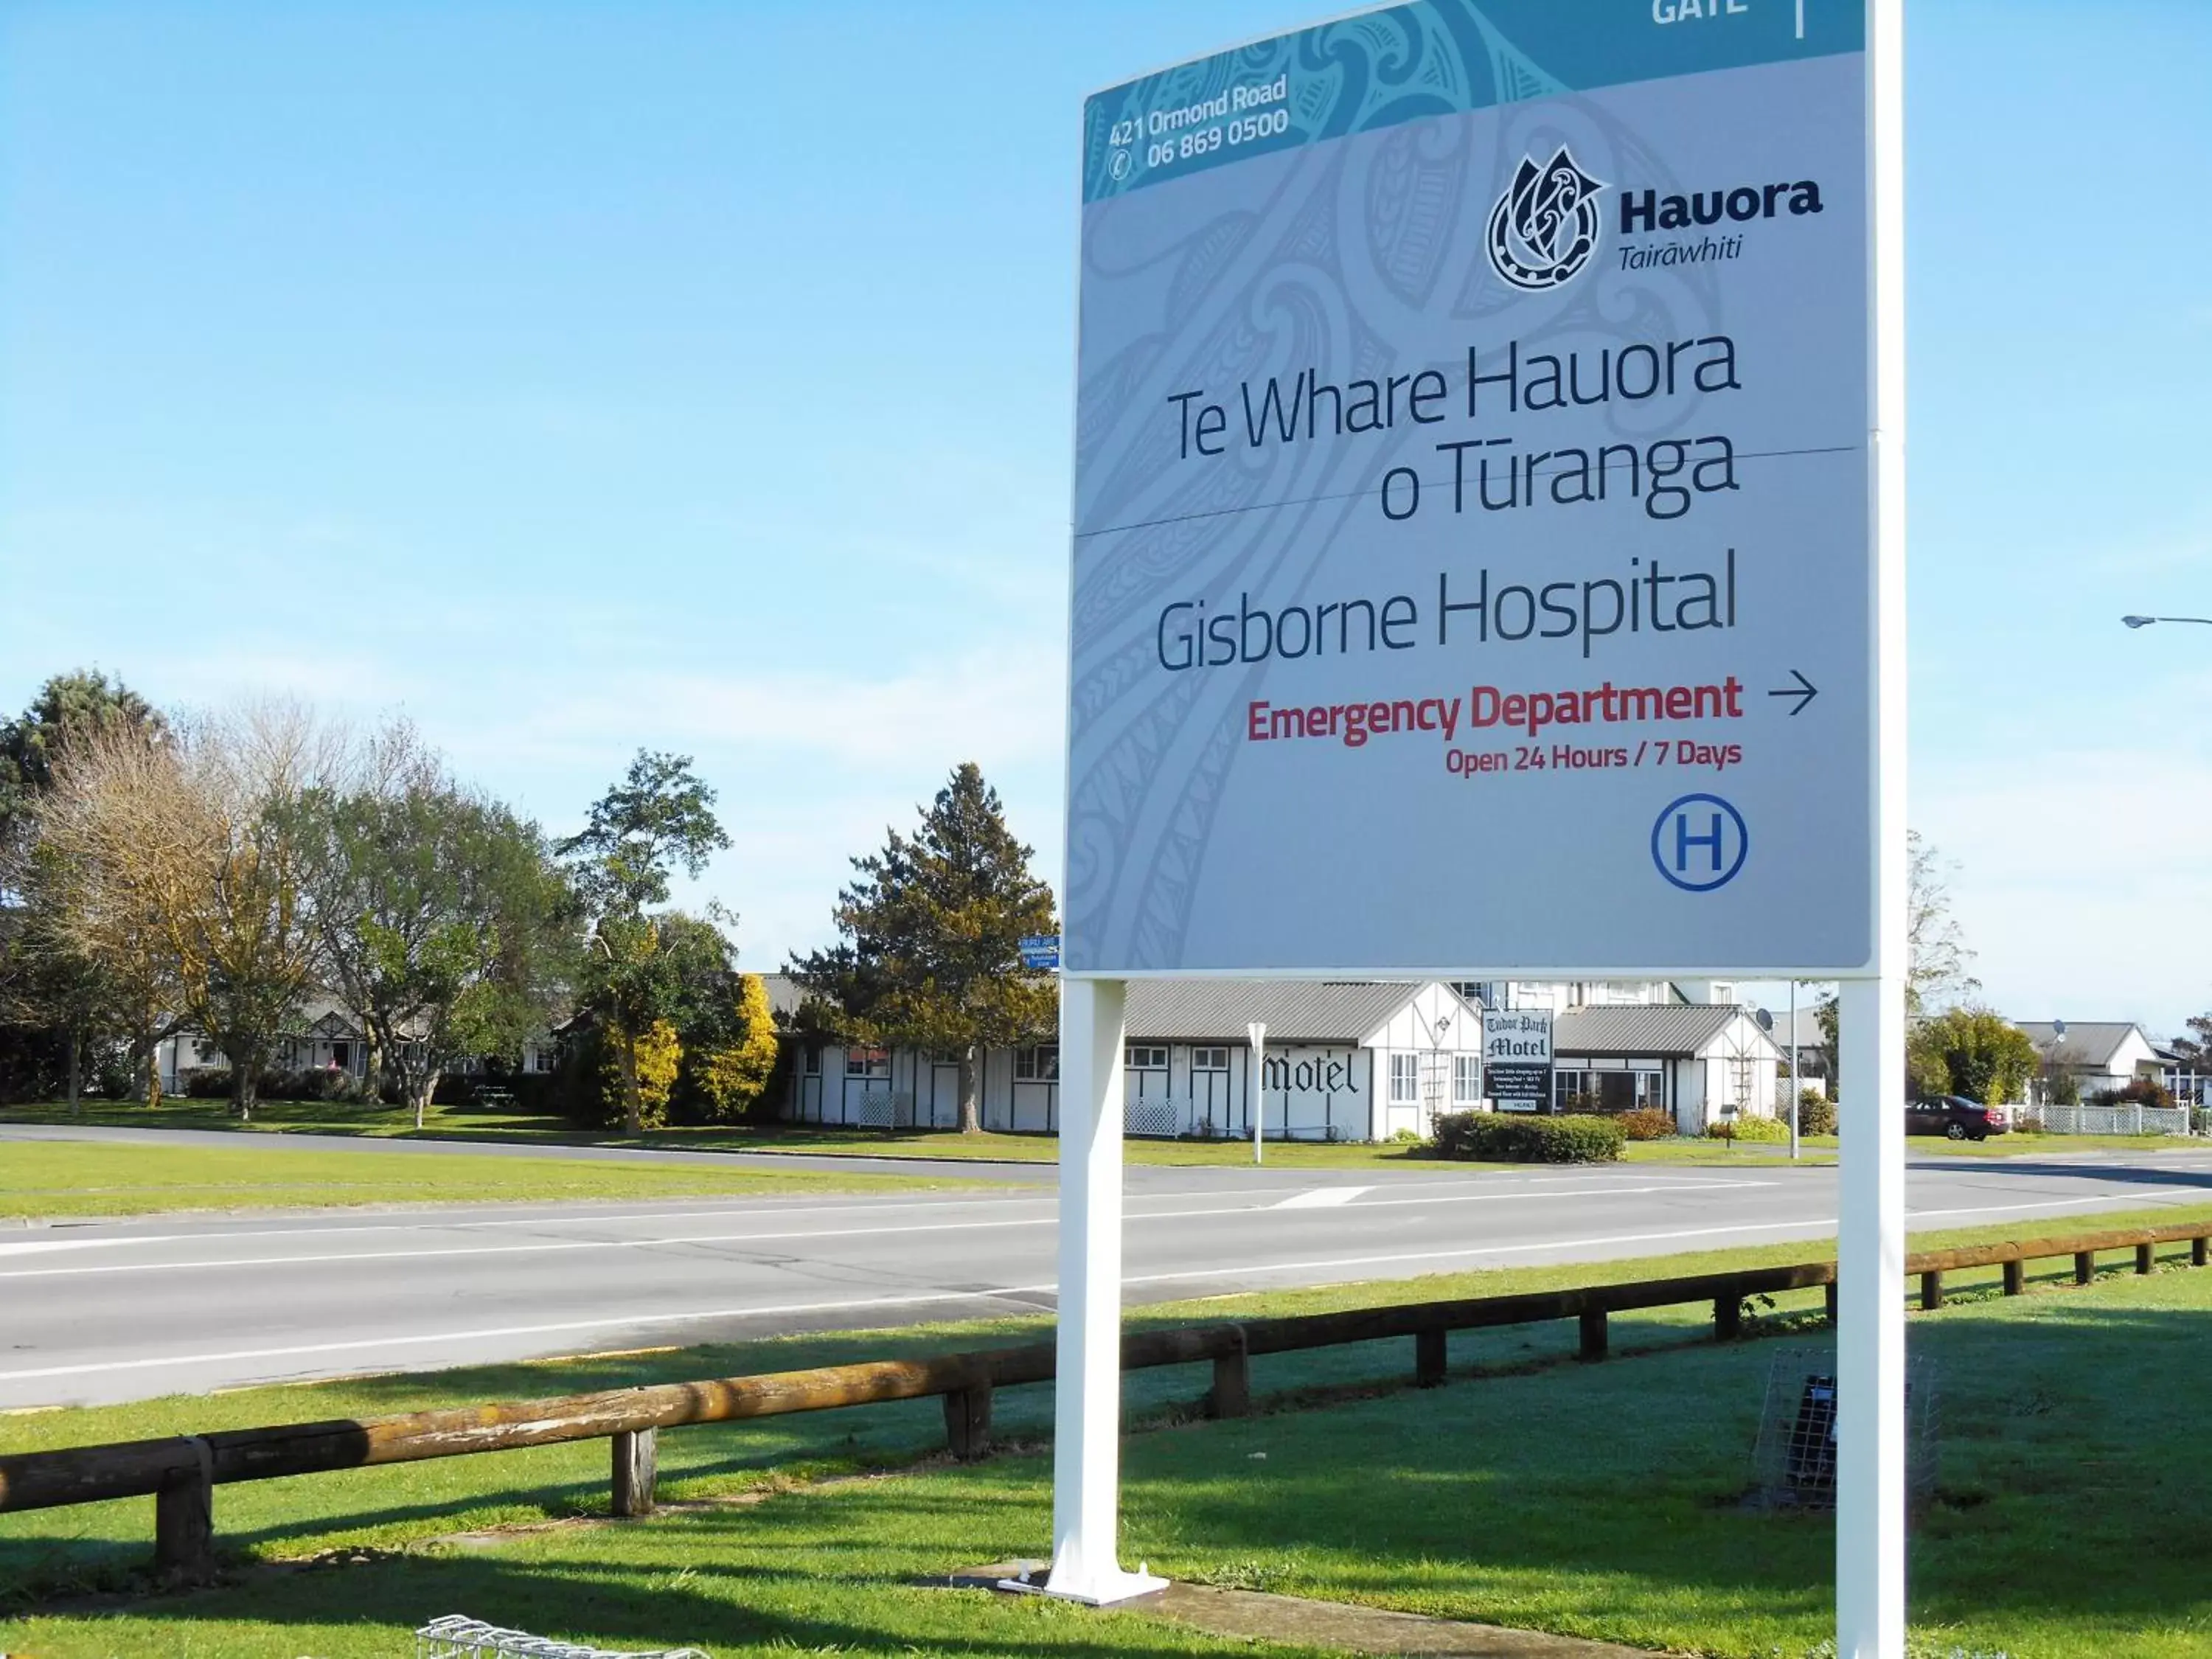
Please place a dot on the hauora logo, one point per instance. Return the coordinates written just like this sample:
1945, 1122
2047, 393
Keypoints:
1544, 228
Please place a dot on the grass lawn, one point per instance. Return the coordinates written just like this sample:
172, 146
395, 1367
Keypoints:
48, 1179
498, 1124
1597, 1500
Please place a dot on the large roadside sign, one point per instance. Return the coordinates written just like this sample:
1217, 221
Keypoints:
1471, 555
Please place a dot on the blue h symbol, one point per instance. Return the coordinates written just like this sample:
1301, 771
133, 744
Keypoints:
1684, 840
1726, 841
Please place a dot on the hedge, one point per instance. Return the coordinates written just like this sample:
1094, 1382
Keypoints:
1513, 1138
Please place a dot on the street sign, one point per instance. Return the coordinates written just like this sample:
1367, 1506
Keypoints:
1472, 475
1516, 1058
1040, 951
1488, 562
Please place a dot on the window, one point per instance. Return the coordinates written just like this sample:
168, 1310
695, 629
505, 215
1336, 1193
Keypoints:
1609, 1091
1147, 1057
1467, 1080
1405, 1080
1209, 1060
868, 1062
1039, 1063
813, 1061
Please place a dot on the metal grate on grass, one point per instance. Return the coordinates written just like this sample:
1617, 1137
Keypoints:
457, 1637
1793, 1457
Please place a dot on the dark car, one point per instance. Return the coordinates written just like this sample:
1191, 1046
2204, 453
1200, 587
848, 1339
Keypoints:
1956, 1116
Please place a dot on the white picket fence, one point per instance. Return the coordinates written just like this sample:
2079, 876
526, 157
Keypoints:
2126, 1118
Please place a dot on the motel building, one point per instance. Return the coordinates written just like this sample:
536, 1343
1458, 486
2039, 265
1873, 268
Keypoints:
1342, 1062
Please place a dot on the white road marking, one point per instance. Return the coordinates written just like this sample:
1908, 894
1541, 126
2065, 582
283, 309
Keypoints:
633, 1321
1321, 1198
1494, 1185
1474, 1250
561, 1327
552, 1247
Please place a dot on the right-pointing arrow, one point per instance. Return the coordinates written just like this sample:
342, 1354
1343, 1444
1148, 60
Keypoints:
1804, 691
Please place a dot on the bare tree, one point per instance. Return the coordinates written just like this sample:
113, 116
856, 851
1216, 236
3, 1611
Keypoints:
1938, 960
201, 844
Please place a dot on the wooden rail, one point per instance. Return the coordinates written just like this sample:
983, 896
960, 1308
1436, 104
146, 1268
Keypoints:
180, 1473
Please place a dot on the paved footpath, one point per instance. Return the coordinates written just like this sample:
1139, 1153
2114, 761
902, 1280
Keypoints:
119, 1311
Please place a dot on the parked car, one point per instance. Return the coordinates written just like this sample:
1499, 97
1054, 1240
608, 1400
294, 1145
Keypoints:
1956, 1116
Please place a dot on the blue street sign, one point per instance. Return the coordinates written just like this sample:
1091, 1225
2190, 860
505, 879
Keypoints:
1040, 951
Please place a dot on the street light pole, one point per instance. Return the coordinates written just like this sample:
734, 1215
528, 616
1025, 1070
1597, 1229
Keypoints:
2145, 621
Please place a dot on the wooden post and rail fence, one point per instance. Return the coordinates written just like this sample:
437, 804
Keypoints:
180, 1473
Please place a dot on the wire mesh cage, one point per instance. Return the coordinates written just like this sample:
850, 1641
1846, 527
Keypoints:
1793, 1455
457, 1637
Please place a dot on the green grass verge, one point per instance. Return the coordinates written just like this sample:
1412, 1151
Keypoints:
1591, 1500
469, 1123
41, 1180
473, 1123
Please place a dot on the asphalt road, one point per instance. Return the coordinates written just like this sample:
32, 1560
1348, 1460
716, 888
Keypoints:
111, 1311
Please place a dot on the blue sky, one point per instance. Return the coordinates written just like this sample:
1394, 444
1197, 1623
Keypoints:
575, 377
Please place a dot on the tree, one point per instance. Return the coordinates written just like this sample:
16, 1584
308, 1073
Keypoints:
68, 707
443, 919
2194, 1050
1937, 960
49, 979
1985, 1057
1937, 957
201, 844
930, 935
641, 968
1927, 1066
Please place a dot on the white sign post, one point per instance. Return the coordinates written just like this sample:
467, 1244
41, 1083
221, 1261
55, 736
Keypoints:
1256, 1035
1488, 564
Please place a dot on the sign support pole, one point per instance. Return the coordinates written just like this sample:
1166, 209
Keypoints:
1087, 1393
1870, 1405
1257, 1033
1794, 1085
1870, 1401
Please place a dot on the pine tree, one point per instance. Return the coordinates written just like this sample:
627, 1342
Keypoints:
929, 950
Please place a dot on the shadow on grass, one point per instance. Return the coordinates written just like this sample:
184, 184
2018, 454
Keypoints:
718, 1585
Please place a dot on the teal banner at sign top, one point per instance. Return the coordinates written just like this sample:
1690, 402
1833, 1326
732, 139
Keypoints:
1377, 69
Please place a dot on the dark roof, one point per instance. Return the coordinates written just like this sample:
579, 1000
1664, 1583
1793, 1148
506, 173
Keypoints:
1294, 1010
784, 995
2089, 1042
1218, 1010
1675, 1027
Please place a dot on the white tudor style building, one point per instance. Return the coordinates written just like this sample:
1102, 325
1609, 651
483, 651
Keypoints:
1343, 1061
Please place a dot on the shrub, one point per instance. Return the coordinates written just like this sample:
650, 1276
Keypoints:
217, 1083
1646, 1124
1763, 1131
1816, 1114
1513, 1138
2150, 1091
